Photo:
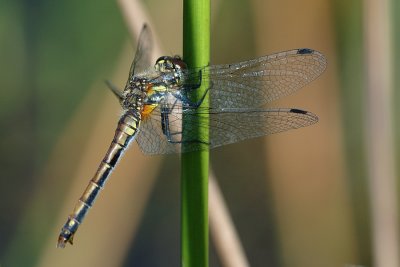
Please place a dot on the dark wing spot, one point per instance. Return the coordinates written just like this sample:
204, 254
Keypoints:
303, 51
295, 110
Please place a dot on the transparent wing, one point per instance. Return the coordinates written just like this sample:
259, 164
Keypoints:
151, 138
256, 82
226, 126
142, 60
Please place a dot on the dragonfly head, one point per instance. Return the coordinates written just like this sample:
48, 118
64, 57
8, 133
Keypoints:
169, 64
172, 67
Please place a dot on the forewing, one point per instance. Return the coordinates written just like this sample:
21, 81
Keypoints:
142, 59
256, 82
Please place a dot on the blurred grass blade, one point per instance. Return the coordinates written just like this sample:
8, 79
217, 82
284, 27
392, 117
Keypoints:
379, 130
348, 23
223, 232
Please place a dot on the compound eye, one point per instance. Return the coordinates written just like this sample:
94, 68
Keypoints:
180, 64
161, 59
164, 64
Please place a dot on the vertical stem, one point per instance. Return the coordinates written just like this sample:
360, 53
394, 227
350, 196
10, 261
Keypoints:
194, 228
381, 163
349, 40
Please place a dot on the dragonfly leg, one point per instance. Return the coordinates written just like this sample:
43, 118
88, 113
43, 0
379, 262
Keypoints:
165, 111
195, 85
198, 103
190, 87
187, 103
165, 125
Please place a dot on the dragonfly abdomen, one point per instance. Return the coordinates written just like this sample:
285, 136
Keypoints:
124, 134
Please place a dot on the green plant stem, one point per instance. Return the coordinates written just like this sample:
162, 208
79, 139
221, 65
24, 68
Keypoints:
194, 176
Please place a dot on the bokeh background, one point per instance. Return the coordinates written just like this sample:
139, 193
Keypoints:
300, 198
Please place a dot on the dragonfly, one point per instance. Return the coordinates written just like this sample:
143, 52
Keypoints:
156, 99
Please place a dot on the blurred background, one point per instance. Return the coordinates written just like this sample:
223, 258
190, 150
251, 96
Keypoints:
309, 197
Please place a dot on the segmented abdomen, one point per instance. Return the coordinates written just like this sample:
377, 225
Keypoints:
126, 131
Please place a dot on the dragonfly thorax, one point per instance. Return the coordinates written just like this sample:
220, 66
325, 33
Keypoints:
134, 93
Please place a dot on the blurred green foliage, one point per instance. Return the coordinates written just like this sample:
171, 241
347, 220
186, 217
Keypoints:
51, 52
349, 40
396, 76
